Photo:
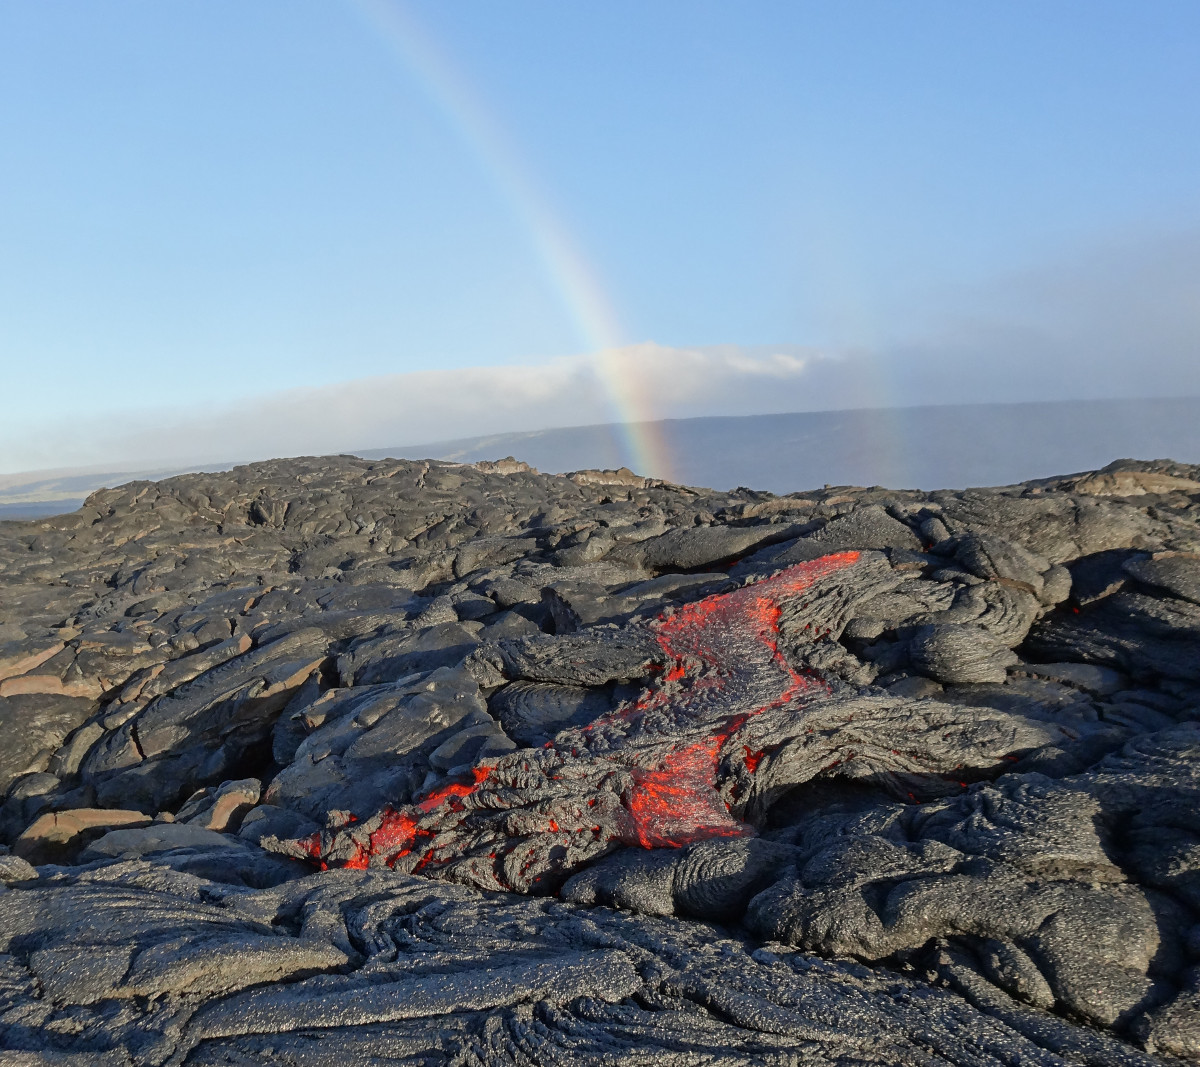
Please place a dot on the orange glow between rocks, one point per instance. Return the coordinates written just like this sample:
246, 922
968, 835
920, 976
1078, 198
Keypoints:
718, 650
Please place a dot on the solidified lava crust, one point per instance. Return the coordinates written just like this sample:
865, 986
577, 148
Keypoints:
852, 776
647, 775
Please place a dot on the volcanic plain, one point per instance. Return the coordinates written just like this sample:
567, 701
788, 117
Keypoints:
335, 761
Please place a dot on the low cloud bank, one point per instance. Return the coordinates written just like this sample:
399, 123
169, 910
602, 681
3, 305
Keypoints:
637, 381
1119, 322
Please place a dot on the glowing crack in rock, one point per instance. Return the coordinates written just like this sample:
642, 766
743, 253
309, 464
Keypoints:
665, 771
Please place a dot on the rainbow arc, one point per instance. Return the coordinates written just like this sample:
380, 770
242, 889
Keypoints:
567, 270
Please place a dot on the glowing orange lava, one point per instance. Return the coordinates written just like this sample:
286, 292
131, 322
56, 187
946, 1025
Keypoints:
646, 774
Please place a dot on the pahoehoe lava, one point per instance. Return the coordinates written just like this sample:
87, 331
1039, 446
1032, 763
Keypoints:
327, 761
646, 774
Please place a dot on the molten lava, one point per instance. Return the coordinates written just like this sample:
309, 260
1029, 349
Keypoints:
659, 772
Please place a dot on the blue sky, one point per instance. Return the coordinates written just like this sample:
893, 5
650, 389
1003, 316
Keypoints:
202, 203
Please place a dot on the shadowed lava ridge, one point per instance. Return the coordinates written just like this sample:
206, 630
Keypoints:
328, 761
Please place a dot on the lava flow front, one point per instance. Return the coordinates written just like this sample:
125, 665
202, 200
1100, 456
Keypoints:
663, 771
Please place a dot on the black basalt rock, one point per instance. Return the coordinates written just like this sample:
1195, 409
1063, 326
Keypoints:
342, 761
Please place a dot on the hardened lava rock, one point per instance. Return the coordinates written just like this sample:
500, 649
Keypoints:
681, 763
327, 761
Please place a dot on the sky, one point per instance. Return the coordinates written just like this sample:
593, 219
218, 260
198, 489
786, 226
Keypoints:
230, 230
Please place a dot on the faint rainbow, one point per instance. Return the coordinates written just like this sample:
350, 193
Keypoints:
582, 296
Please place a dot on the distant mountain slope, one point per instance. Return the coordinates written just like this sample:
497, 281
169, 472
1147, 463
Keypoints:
917, 448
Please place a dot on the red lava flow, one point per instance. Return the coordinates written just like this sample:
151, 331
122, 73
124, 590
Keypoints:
644, 775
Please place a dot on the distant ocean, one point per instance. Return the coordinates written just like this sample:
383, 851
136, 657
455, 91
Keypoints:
936, 447
943, 447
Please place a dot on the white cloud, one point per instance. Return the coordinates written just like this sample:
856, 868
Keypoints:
429, 406
1117, 322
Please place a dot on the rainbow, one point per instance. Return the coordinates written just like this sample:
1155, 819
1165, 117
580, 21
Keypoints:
567, 269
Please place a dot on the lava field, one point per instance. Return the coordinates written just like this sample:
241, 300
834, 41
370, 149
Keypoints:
329, 761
